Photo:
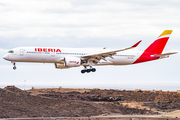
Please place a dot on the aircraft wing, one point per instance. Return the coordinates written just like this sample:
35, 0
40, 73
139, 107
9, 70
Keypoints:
102, 55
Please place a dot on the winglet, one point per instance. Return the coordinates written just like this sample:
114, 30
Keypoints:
135, 45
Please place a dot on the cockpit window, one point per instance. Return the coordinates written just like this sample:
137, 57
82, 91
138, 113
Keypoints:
11, 51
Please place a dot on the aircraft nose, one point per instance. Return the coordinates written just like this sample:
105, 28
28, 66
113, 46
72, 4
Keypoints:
6, 57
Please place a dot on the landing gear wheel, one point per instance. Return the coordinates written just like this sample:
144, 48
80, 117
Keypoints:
93, 70
88, 70
14, 63
14, 67
83, 71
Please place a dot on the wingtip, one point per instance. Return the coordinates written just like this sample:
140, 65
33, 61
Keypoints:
135, 45
175, 52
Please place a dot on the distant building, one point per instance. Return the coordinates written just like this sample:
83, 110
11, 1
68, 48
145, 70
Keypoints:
138, 90
178, 91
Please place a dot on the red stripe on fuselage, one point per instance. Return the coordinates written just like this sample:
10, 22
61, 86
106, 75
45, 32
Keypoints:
145, 57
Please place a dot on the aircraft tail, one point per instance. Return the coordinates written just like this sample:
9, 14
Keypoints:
156, 48
158, 45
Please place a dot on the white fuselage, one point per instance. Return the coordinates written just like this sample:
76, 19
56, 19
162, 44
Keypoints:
54, 55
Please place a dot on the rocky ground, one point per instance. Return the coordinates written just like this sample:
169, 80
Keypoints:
15, 102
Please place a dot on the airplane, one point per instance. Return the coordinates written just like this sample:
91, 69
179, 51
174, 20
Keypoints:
65, 58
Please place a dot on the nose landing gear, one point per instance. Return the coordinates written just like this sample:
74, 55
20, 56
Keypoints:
14, 63
88, 70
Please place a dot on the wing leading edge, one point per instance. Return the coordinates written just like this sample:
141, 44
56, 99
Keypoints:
98, 56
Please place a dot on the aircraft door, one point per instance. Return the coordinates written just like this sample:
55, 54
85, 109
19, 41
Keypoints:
52, 54
21, 52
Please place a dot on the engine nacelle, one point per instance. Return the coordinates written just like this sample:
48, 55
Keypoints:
60, 66
72, 61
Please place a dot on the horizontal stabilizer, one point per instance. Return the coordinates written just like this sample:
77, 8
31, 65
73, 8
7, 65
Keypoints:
165, 55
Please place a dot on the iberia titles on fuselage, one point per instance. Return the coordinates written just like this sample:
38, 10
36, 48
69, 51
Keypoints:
47, 50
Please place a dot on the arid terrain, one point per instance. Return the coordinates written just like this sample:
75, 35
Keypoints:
64, 102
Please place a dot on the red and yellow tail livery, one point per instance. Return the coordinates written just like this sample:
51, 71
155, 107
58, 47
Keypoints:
154, 51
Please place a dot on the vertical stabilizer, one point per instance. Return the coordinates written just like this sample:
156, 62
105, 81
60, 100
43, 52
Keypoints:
158, 45
155, 48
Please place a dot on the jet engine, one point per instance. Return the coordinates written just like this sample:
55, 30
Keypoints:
68, 62
60, 66
72, 62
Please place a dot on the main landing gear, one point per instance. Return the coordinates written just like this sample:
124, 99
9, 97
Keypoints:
88, 70
14, 65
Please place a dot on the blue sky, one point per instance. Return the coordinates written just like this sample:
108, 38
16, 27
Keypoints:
89, 24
